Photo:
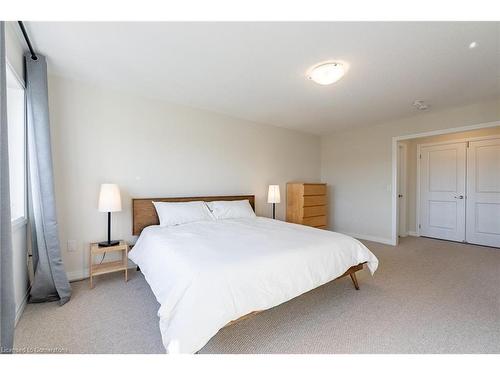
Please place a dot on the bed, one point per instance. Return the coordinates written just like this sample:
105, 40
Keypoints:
209, 274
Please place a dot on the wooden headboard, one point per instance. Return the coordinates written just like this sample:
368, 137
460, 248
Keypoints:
144, 213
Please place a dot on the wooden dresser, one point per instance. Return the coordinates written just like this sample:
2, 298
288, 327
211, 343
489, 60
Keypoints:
306, 204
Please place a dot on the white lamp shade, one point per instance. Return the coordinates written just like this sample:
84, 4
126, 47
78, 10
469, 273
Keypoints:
109, 198
273, 196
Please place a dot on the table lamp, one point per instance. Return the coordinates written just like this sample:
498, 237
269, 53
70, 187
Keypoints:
109, 201
273, 196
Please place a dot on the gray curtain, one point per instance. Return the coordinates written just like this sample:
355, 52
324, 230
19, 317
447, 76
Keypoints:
50, 281
7, 303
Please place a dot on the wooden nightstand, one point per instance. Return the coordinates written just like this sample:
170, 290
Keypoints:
108, 267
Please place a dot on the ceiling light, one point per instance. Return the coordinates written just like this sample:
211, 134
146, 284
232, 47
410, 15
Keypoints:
326, 73
473, 45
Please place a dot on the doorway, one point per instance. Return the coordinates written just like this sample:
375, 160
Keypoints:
411, 204
402, 181
459, 190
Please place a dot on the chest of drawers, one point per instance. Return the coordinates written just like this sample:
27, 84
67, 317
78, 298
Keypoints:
306, 204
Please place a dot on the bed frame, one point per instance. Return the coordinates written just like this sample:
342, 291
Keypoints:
144, 214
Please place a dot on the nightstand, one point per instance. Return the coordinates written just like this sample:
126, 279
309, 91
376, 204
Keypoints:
108, 267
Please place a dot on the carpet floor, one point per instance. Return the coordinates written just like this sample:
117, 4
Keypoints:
428, 296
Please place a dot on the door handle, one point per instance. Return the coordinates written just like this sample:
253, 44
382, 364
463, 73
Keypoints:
459, 197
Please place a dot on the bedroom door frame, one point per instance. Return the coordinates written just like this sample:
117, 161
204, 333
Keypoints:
395, 207
402, 188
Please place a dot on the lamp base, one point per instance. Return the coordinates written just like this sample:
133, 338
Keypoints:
108, 243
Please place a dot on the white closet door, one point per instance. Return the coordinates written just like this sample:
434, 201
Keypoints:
442, 191
483, 192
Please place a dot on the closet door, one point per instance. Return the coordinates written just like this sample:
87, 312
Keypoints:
483, 192
442, 191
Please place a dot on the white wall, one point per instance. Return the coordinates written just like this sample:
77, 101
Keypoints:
155, 149
357, 165
21, 282
14, 53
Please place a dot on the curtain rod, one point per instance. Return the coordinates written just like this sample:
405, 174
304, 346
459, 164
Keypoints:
27, 39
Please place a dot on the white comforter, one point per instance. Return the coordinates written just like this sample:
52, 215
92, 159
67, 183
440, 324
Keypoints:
208, 273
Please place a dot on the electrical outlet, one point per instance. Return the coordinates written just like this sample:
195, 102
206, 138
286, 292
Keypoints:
71, 246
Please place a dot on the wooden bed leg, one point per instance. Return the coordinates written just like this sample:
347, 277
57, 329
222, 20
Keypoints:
354, 280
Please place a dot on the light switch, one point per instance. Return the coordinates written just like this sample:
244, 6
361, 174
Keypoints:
71, 246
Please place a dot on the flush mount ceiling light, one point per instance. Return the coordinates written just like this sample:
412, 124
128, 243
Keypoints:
326, 73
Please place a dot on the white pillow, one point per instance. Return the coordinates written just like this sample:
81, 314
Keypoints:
231, 209
175, 213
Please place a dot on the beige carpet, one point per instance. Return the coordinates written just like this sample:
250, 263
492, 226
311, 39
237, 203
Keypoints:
428, 296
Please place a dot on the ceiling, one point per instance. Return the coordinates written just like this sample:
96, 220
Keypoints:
256, 71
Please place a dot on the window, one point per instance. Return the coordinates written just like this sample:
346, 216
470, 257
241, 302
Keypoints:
17, 145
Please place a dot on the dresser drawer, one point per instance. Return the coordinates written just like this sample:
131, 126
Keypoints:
314, 221
314, 200
314, 189
314, 211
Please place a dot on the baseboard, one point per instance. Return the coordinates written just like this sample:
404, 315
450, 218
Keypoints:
383, 240
22, 306
413, 234
78, 275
